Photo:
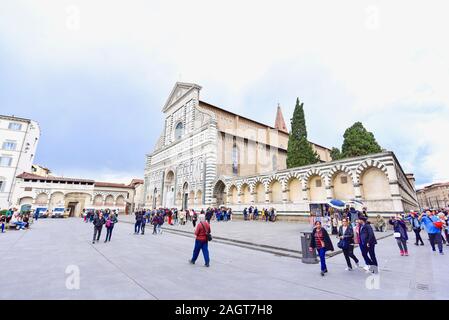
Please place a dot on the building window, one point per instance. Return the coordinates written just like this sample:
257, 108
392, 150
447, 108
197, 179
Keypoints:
5, 161
15, 126
344, 180
9, 145
235, 159
318, 183
179, 130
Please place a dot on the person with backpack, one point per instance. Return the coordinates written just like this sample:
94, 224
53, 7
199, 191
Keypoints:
416, 226
400, 234
321, 242
98, 222
110, 222
202, 238
346, 243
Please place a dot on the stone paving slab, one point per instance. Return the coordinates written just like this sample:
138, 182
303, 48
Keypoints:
279, 234
156, 267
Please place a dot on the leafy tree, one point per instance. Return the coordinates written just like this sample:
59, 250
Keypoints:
359, 142
299, 151
336, 154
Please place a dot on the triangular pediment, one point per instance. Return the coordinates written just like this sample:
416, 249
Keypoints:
178, 92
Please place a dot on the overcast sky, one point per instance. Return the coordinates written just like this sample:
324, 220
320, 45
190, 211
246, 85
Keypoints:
95, 74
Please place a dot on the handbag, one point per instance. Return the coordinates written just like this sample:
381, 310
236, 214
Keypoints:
343, 244
208, 235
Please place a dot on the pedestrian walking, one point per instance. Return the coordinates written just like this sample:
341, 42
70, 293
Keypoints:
142, 225
138, 223
400, 233
3, 222
321, 242
194, 218
98, 222
202, 238
433, 227
367, 241
110, 222
346, 243
416, 227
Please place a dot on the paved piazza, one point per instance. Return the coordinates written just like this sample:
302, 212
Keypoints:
156, 267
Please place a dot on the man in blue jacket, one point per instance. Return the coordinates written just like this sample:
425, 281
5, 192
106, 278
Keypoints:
428, 220
367, 244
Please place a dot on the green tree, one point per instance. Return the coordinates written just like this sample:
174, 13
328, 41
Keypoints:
359, 142
299, 151
336, 154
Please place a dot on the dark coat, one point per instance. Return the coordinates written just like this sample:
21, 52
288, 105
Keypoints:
367, 235
349, 234
399, 226
98, 223
327, 240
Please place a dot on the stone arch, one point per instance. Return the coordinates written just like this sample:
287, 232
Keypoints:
57, 199
98, 200
275, 189
233, 194
25, 201
199, 197
314, 172
316, 188
109, 200
340, 168
342, 186
219, 192
191, 199
120, 201
374, 184
294, 187
42, 198
259, 192
245, 191
367, 164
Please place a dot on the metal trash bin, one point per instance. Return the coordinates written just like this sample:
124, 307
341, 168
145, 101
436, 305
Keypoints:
307, 256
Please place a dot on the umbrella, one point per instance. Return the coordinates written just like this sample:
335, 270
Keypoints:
356, 203
337, 204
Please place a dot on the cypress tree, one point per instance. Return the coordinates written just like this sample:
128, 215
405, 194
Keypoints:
299, 151
359, 142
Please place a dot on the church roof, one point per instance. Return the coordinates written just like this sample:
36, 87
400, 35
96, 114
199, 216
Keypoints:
238, 115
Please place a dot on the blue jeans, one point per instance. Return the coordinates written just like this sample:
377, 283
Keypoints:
20, 224
203, 247
137, 227
3, 227
322, 254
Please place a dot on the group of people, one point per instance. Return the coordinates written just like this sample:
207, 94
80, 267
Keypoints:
16, 219
252, 213
356, 229
100, 218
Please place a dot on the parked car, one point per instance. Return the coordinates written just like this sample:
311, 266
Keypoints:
42, 212
58, 212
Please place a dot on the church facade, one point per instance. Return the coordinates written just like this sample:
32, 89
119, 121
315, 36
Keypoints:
208, 156
203, 145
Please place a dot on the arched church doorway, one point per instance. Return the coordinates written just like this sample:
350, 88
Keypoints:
185, 196
218, 193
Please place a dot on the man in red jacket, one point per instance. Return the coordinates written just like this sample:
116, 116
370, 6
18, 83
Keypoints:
201, 241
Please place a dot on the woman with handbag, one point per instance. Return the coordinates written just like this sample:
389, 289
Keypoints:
202, 237
400, 233
321, 241
346, 243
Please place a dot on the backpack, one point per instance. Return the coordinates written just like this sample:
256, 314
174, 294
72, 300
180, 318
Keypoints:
108, 223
